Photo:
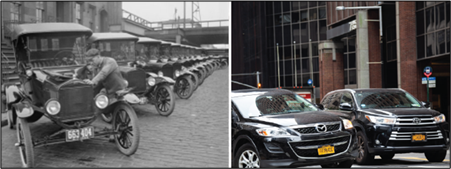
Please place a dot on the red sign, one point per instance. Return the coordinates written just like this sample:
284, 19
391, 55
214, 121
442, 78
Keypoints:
305, 95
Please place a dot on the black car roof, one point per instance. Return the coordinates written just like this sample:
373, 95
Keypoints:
38, 28
248, 92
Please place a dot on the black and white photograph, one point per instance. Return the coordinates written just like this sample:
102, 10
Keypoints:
90, 84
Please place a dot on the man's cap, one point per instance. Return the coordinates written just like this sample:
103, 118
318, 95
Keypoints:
92, 52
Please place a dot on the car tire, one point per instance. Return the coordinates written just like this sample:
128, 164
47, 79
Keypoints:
246, 151
26, 150
125, 122
435, 156
387, 157
343, 164
166, 100
364, 156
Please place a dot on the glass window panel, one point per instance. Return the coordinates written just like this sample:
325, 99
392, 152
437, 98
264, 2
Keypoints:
313, 31
352, 60
440, 15
304, 15
295, 33
298, 66
322, 30
287, 52
420, 22
270, 35
304, 33
288, 66
391, 33
448, 13
352, 77
278, 34
55, 44
322, 3
313, 14
394, 51
314, 49
429, 3
32, 44
345, 44
345, 73
305, 50
312, 3
277, 7
269, 7
295, 17
447, 40
351, 44
278, 19
420, 47
44, 45
420, 4
322, 13
430, 19
305, 78
286, 6
287, 35
289, 81
316, 79
305, 66
430, 44
345, 61
270, 21
315, 64
286, 18
441, 42
295, 6
303, 4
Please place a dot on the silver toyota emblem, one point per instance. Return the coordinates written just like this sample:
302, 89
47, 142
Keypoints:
321, 128
416, 120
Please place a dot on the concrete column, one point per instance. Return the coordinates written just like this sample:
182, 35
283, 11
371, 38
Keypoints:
363, 75
408, 71
330, 67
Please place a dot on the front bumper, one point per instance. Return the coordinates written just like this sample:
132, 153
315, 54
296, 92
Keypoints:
287, 155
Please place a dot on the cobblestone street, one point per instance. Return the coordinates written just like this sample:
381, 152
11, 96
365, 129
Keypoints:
195, 135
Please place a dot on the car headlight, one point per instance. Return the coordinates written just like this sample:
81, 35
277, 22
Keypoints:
380, 120
160, 73
274, 131
101, 101
126, 83
440, 118
347, 124
53, 107
177, 73
151, 81
29, 73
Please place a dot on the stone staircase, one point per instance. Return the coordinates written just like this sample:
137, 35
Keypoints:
9, 76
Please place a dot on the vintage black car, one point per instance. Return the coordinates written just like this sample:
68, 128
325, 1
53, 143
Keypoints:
391, 121
48, 89
277, 128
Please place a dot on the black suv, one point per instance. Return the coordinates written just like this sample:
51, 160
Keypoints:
277, 128
390, 121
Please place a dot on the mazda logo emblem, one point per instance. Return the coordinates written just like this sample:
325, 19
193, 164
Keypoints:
416, 120
321, 128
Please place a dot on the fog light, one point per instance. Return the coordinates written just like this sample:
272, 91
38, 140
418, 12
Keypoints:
377, 142
287, 154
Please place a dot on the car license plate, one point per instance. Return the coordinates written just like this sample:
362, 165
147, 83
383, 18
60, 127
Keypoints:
418, 137
328, 149
80, 134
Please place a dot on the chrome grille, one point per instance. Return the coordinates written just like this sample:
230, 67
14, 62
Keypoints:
411, 121
404, 135
310, 128
76, 103
309, 149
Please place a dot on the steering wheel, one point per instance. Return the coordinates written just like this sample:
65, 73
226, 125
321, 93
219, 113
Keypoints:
65, 53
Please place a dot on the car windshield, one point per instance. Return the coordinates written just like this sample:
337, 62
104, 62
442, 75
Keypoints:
56, 50
385, 99
258, 105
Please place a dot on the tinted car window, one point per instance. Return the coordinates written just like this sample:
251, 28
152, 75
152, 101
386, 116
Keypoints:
333, 101
385, 99
347, 98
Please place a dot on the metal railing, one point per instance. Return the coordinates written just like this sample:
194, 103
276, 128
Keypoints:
173, 24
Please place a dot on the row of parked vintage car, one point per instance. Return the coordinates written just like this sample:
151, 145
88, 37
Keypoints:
48, 56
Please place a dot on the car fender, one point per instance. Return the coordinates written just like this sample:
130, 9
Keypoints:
12, 94
23, 109
111, 106
239, 139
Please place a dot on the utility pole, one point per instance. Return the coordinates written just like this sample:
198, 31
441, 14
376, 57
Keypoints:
184, 14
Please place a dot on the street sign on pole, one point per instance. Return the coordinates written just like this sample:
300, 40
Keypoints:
309, 82
427, 71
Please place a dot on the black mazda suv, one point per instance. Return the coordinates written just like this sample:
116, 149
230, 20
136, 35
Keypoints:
277, 128
390, 121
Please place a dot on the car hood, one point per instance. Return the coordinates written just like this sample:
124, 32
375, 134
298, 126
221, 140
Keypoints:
401, 111
297, 118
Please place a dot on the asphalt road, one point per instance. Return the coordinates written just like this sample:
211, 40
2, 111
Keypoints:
195, 135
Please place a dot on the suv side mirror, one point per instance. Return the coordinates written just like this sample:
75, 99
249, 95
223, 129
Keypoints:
426, 104
320, 106
345, 106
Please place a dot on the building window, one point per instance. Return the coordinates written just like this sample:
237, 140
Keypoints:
432, 25
349, 61
15, 11
78, 13
39, 11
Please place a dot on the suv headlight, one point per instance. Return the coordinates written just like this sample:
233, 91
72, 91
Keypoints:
177, 73
380, 120
53, 107
274, 131
151, 81
347, 124
101, 101
440, 118
160, 73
